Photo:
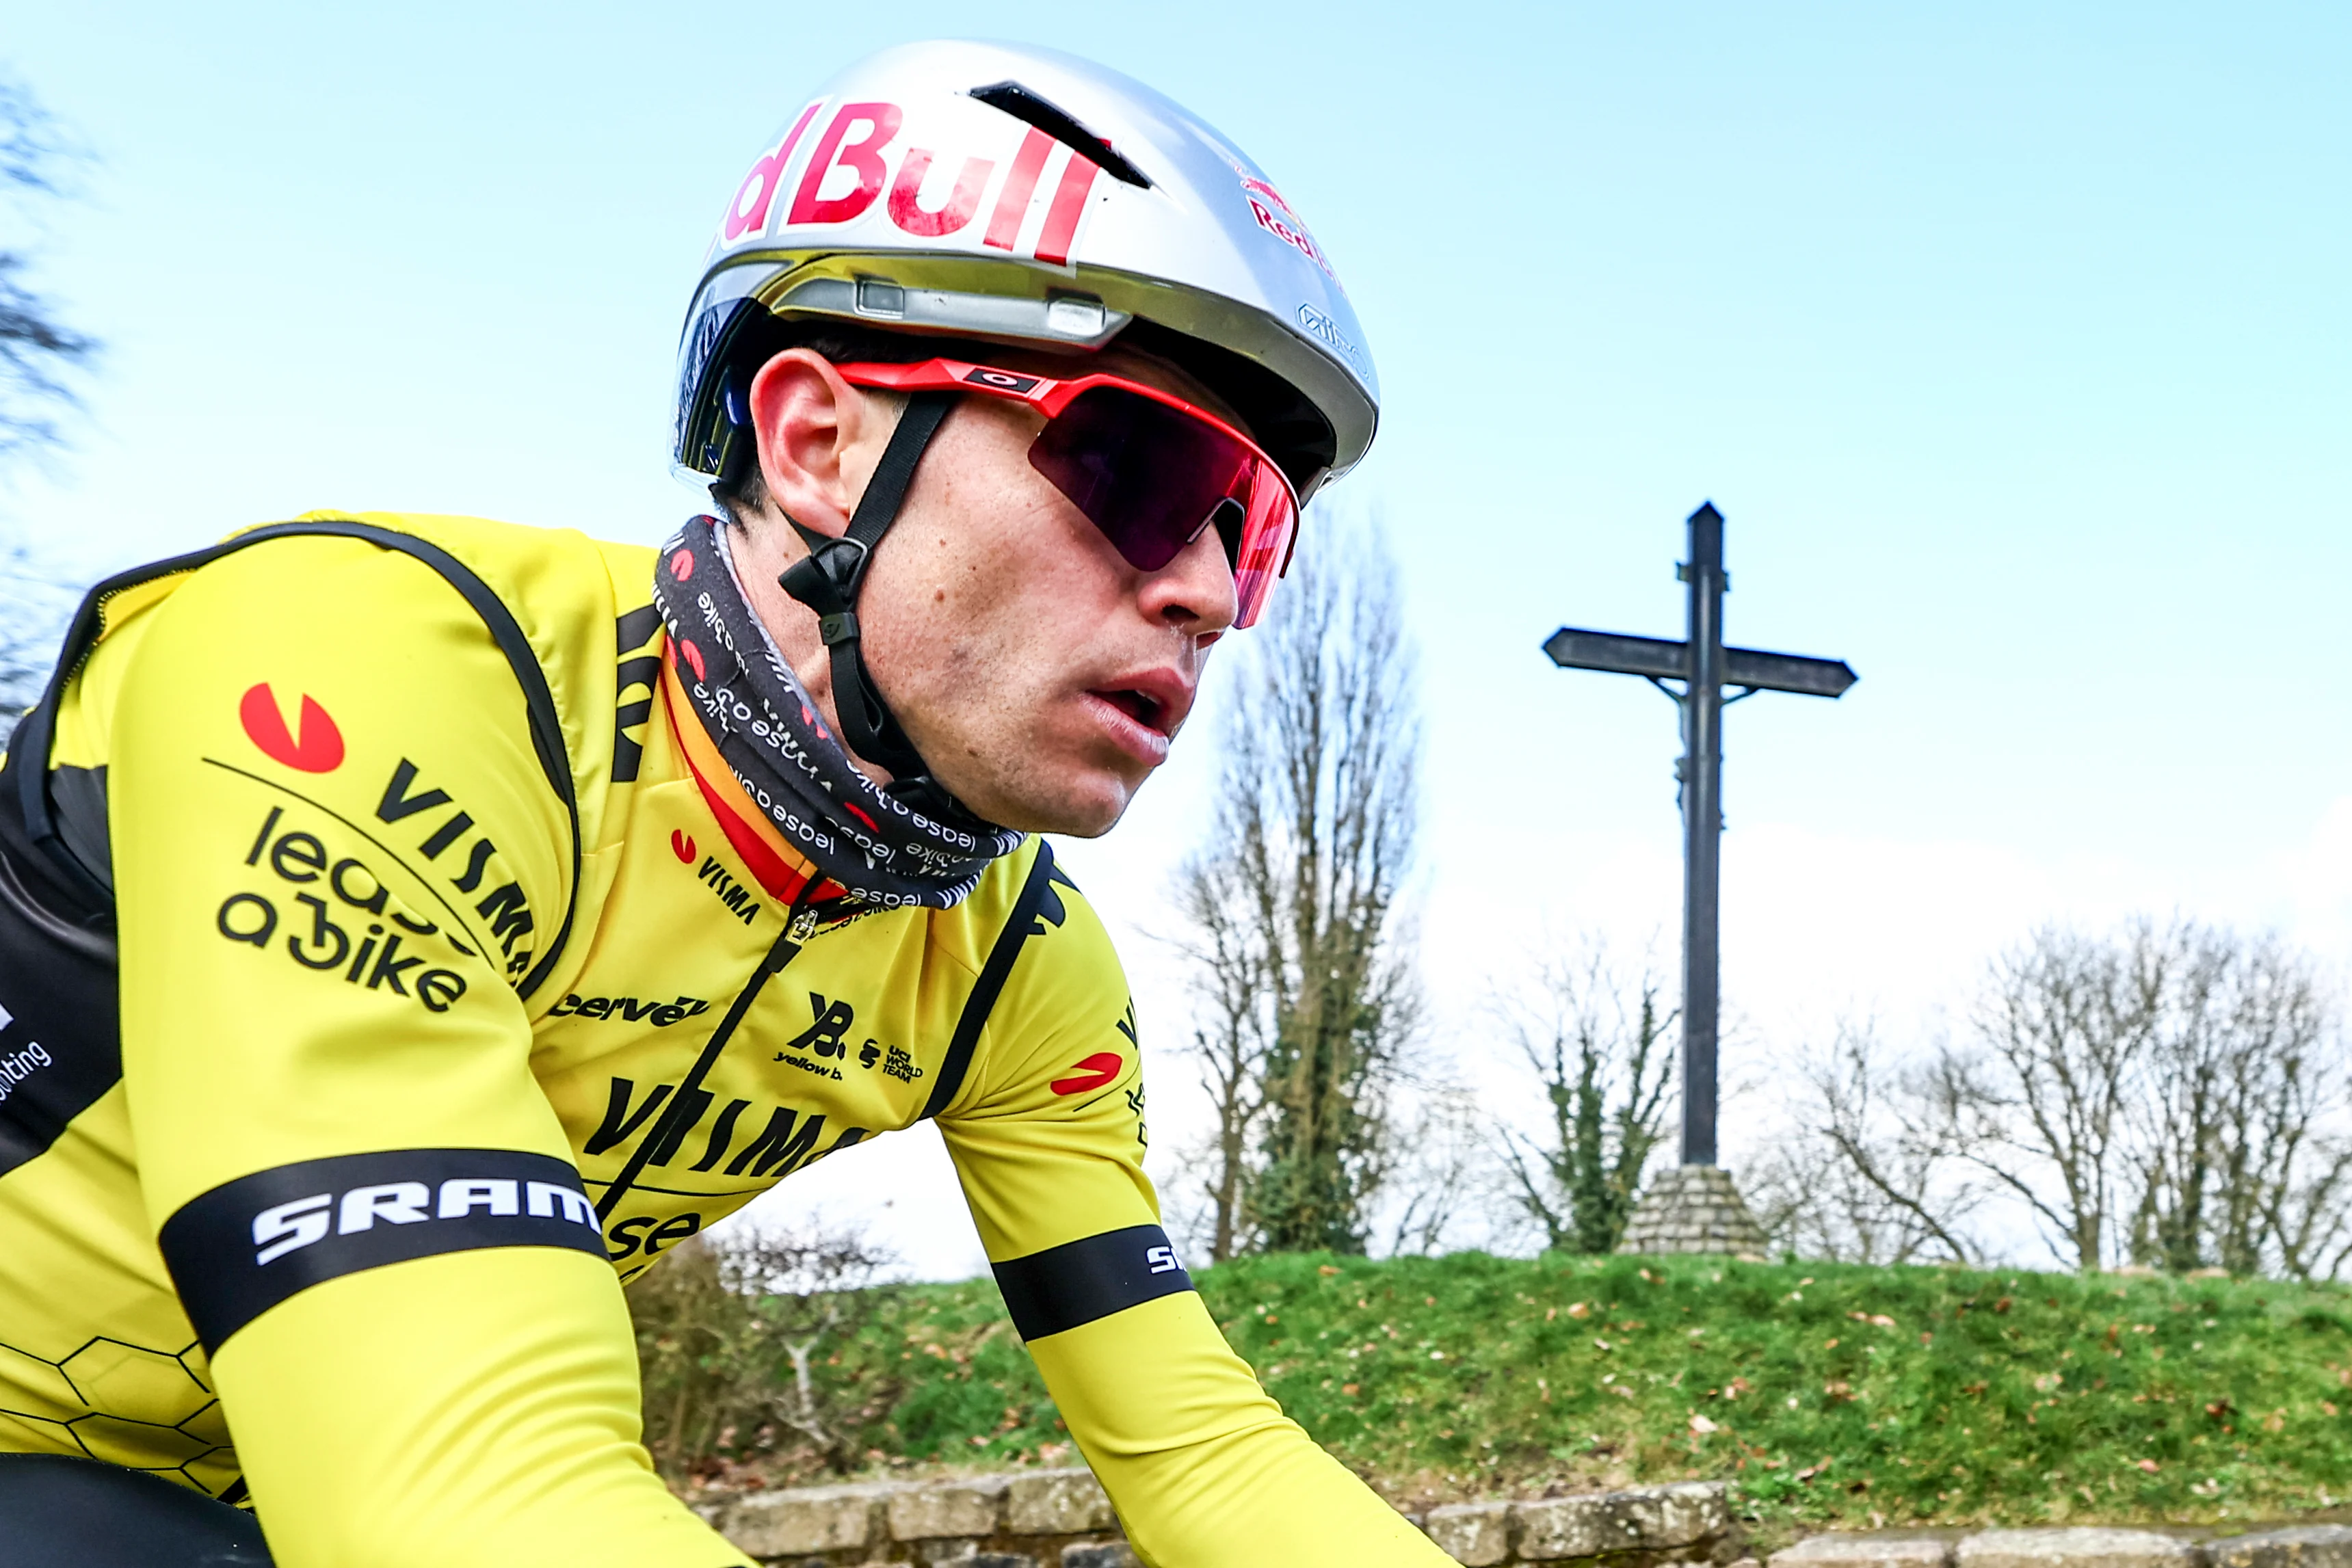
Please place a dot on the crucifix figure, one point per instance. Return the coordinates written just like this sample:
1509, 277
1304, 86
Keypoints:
1697, 1208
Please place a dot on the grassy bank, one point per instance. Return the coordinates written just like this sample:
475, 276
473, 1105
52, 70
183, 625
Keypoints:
1851, 1394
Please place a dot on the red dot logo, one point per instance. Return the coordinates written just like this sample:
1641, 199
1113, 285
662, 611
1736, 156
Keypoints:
316, 746
681, 565
692, 657
681, 845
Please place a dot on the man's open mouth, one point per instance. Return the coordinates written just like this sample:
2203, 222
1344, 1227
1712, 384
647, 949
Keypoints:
1146, 710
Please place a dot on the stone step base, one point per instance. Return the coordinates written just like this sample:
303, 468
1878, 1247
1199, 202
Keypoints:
1060, 1519
2302, 1546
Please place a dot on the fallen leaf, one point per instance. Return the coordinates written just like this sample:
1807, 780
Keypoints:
1620, 1390
1600, 1344
1327, 1270
1349, 1389
1702, 1425
1829, 1345
1578, 1310
2150, 1465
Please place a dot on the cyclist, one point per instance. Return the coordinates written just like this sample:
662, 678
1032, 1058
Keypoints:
412, 927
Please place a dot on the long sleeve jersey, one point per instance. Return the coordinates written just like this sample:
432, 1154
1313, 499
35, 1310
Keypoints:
390, 970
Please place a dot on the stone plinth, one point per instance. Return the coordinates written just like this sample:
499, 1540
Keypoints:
1693, 1208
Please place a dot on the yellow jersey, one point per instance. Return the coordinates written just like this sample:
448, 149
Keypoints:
391, 969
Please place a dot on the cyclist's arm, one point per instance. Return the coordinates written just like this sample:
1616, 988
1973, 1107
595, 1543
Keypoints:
1204, 1468
366, 1200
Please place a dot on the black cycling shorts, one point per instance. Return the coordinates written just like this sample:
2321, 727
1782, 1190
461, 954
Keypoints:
61, 1512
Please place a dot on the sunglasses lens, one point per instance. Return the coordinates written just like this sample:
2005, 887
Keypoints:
1265, 553
1149, 476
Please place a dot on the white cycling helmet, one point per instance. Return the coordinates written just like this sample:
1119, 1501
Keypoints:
1006, 193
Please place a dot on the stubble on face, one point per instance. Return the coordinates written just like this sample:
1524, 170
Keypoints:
995, 609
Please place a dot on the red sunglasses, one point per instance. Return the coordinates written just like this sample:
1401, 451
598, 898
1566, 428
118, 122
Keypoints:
1149, 469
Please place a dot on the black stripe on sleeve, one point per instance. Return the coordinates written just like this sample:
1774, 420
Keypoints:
1067, 1286
247, 1245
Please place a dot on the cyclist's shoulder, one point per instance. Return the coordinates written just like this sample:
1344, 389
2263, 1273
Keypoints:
1030, 910
538, 572
393, 581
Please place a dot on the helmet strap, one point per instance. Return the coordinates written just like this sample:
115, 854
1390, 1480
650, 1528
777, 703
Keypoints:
829, 577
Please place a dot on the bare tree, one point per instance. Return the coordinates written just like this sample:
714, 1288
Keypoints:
2064, 1028
34, 608
2234, 1164
1294, 909
36, 349
729, 1333
1595, 1040
2170, 1094
1234, 1039
1869, 1173
1440, 1174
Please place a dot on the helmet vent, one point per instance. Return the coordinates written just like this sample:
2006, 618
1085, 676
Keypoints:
1028, 107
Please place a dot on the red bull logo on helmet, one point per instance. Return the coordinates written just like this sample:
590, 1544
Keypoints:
983, 183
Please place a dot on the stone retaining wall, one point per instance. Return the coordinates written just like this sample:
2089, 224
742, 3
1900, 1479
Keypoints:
2305, 1546
1060, 1519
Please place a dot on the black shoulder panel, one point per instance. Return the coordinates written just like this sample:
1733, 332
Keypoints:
60, 1030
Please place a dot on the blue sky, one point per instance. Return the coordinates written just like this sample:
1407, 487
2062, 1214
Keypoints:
2011, 339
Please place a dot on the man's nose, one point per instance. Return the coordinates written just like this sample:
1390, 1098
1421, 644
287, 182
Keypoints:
1194, 592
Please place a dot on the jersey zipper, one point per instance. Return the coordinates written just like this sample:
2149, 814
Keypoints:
800, 926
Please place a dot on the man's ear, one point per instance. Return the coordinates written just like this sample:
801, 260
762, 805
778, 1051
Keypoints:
813, 429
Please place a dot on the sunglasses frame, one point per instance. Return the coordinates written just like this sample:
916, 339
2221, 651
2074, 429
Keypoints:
1050, 395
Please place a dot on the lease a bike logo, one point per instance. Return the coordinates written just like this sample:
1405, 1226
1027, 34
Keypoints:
333, 914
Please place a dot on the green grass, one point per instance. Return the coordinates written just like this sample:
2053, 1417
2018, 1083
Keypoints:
1847, 1395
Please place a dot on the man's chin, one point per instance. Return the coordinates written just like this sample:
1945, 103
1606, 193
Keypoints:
1081, 809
